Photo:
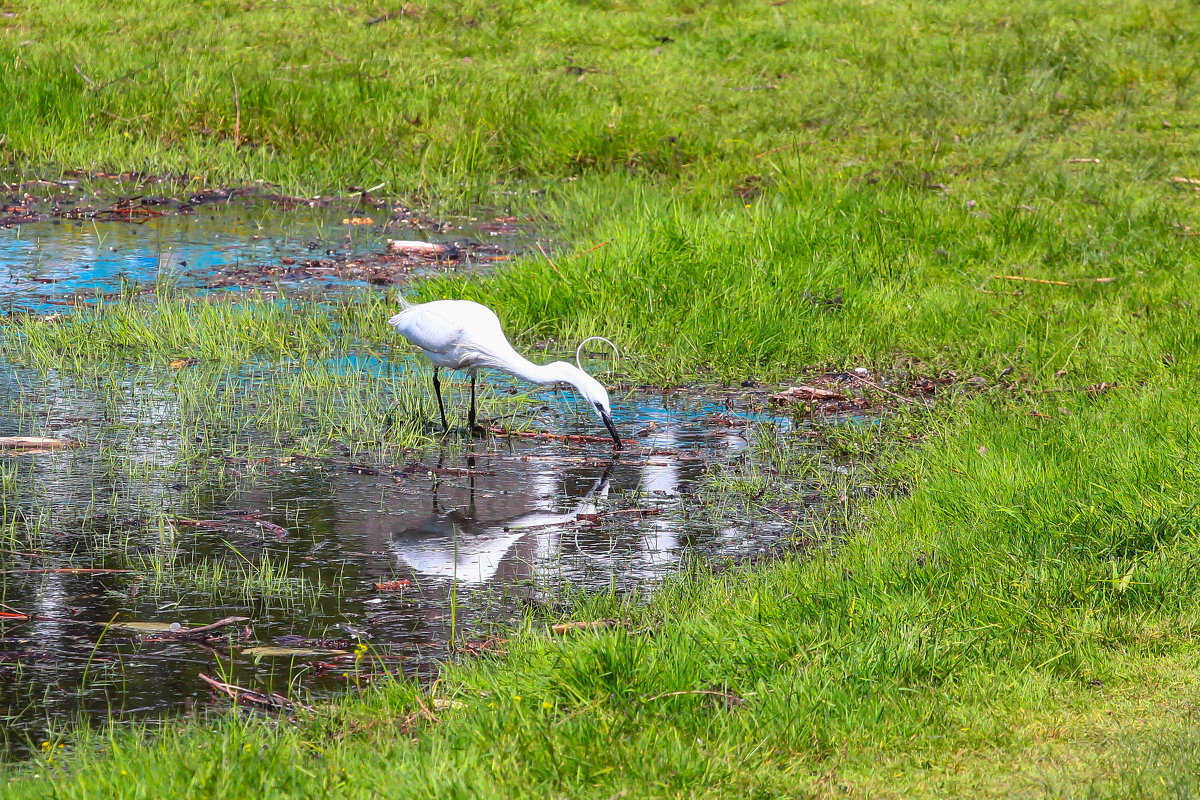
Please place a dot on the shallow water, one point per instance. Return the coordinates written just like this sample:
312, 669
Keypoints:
478, 528
351, 562
243, 242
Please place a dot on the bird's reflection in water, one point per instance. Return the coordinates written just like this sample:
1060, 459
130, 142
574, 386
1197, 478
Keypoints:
509, 520
475, 540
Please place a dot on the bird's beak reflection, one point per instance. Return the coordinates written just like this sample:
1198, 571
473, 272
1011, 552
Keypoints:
612, 429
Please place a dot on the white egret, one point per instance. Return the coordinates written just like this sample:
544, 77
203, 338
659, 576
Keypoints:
464, 335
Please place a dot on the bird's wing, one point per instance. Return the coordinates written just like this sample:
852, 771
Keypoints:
428, 329
460, 330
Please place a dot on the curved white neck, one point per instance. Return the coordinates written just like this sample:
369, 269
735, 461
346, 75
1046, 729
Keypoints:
543, 374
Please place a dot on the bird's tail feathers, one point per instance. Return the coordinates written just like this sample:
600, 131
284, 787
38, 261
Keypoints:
398, 318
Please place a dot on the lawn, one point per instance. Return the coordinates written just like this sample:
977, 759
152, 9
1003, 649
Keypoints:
1003, 195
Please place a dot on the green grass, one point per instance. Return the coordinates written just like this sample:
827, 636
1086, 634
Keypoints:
1005, 602
449, 99
247, 371
1002, 609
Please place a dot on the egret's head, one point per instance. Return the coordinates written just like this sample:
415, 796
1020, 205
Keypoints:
594, 394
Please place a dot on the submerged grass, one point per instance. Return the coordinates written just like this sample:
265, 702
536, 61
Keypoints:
304, 399
1014, 606
244, 574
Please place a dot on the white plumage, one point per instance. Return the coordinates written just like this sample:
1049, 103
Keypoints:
464, 335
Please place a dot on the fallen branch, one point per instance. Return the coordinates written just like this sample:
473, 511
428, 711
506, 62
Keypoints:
1092, 388
416, 467
202, 632
120, 78
33, 443
240, 694
280, 532
86, 79
1028, 280
1022, 278
394, 586
201, 523
876, 386
597, 517
562, 437
246, 520
27, 553
64, 571
794, 394
413, 247
409, 10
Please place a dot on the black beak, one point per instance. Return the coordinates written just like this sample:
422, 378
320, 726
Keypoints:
612, 429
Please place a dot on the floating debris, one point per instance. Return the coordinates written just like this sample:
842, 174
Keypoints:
409, 247
33, 444
805, 394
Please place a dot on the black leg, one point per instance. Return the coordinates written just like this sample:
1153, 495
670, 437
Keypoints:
471, 413
437, 390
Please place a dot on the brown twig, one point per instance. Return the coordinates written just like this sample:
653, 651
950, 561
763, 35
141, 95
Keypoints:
425, 712
1028, 280
240, 694
562, 437
86, 79
203, 630
590, 249
201, 523
548, 261
25, 553
645, 512
120, 78
900, 397
280, 532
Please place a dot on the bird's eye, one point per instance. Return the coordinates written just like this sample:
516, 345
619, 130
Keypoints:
598, 406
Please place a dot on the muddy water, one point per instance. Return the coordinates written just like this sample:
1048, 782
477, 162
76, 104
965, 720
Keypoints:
347, 567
